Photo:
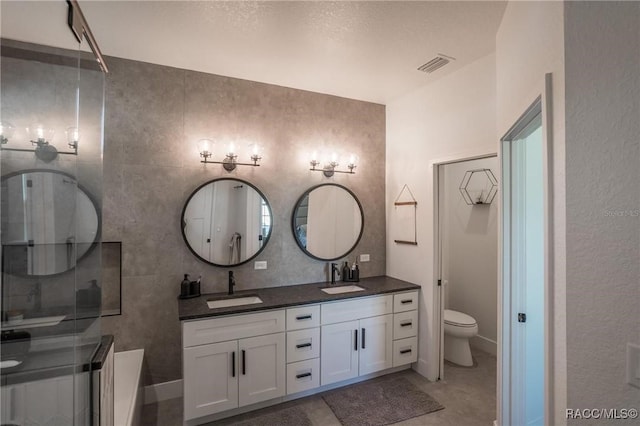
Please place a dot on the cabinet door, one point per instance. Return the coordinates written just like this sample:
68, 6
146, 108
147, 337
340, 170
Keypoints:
338, 352
262, 368
210, 379
376, 344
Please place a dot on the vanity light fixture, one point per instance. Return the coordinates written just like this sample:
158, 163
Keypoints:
330, 167
41, 137
205, 147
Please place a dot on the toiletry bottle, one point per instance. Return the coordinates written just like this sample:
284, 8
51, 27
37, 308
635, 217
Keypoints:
194, 288
355, 272
345, 271
184, 286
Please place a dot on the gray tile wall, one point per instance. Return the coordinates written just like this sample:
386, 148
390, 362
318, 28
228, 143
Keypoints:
154, 116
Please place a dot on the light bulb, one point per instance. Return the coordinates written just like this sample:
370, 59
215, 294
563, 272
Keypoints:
231, 150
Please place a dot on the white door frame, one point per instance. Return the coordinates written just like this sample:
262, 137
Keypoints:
438, 295
504, 377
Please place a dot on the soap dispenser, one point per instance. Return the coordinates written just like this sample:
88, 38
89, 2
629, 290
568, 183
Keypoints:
345, 271
184, 287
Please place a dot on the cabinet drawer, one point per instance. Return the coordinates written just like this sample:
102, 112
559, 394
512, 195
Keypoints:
405, 324
303, 344
405, 351
303, 317
355, 309
221, 329
303, 375
405, 301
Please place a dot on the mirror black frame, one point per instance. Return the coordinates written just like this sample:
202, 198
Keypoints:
96, 241
295, 211
183, 223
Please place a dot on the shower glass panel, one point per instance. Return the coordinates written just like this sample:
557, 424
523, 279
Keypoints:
51, 111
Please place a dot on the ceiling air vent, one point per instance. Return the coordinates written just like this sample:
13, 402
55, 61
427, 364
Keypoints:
436, 63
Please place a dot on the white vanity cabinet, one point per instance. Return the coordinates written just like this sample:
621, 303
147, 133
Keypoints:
361, 345
222, 375
238, 360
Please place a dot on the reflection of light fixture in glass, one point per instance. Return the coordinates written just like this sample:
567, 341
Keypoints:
330, 166
41, 137
6, 132
72, 137
205, 147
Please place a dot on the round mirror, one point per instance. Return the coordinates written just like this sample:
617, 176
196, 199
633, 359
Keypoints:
48, 221
226, 222
328, 221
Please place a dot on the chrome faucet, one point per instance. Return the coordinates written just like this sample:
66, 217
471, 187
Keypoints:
232, 282
334, 271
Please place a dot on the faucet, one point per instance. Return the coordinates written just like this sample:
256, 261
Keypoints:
232, 282
334, 271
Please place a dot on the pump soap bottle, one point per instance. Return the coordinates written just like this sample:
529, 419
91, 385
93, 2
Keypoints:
184, 287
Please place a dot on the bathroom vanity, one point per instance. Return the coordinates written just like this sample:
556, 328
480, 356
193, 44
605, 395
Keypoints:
297, 341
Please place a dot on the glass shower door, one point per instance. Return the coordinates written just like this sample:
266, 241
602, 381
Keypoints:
51, 112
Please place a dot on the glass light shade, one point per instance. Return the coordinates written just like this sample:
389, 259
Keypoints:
205, 146
38, 132
230, 149
353, 160
334, 159
6, 130
73, 135
255, 149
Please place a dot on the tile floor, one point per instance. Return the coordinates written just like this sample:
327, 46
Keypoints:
468, 395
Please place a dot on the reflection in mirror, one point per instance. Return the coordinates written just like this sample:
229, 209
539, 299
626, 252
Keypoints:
226, 222
43, 214
328, 222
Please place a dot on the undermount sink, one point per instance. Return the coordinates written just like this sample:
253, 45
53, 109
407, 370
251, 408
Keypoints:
233, 301
342, 289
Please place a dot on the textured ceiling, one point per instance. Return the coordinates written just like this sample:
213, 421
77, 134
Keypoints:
361, 50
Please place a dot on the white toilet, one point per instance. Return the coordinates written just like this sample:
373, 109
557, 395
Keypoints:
458, 329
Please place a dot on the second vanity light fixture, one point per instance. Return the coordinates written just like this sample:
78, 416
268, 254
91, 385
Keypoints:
41, 138
205, 147
330, 167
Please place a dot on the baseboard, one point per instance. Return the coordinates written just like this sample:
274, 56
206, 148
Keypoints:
484, 344
162, 391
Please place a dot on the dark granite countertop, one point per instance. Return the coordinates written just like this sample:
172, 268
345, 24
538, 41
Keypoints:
285, 296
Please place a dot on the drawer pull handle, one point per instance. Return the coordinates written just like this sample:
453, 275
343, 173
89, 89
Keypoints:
405, 324
404, 302
303, 317
303, 375
303, 345
405, 351
244, 363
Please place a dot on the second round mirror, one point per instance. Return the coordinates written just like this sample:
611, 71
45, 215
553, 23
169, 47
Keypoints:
328, 221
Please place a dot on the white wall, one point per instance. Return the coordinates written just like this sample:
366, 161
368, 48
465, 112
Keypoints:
452, 118
602, 53
530, 43
470, 252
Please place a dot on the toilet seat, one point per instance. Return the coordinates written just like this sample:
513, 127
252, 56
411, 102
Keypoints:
458, 319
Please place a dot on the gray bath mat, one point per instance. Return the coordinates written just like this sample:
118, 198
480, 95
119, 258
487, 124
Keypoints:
380, 401
292, 416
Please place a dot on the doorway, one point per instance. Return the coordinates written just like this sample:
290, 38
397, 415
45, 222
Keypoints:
467, 258
525, 266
